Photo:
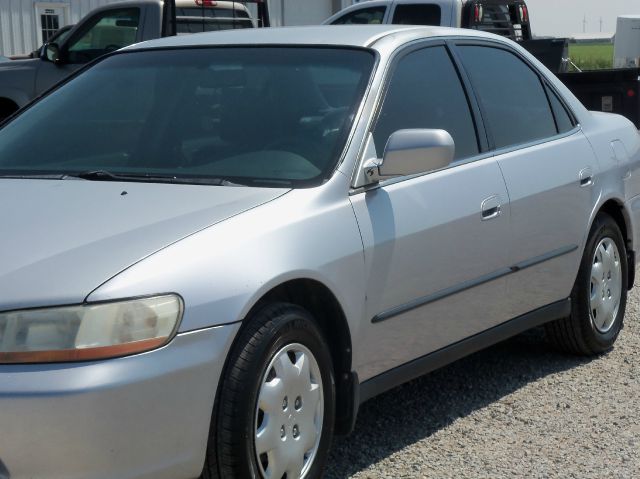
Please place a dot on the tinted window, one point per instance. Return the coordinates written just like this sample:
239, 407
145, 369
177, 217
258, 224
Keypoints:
563, 119
364, 16
271, 116
516, 107
417, 15
106, 33
425, 92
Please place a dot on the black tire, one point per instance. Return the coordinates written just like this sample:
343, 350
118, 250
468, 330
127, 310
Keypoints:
231, 449
578, 334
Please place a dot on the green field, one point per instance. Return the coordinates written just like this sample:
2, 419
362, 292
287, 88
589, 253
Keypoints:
594, 56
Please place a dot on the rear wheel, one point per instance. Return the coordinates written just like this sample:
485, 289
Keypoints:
599, 296
275, 409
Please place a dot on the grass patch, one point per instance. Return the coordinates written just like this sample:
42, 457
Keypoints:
593, 56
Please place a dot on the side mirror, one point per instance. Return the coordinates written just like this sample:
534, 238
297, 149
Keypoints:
411, 152
51, 52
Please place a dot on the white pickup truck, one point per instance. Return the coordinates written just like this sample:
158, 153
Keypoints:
509, 18
110, 28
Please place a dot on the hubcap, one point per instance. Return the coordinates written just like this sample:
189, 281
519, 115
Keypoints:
289, 414
606, 285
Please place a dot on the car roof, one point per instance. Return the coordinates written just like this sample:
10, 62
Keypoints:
329, 35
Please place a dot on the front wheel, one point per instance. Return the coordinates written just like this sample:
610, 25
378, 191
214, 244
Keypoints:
599, 296
276, 402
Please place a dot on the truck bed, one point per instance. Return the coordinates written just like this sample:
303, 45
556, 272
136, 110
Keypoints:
612, 91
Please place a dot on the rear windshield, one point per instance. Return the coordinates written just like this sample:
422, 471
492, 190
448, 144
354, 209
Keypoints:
200, 19
269, 116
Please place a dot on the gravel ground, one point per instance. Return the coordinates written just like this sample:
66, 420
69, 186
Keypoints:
518, 409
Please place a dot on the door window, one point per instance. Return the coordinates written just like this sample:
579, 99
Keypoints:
418, 14
364, 16
563, 119
107, 32
426, 92
515, 105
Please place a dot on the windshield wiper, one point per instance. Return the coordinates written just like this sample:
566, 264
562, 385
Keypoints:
34, 176
105, 175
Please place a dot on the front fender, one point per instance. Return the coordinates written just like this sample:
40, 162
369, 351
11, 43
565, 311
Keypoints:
19, 97
223, 271
17, 80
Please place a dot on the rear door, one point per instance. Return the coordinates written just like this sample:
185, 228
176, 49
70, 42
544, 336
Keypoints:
436, 245
549, 168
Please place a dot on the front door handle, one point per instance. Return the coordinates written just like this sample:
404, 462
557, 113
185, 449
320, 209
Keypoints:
491, 208
586, 177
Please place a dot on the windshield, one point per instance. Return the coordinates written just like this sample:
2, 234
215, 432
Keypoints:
272, 115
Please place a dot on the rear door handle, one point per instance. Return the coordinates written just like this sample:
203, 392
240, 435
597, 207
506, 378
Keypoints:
586, 177
491, 208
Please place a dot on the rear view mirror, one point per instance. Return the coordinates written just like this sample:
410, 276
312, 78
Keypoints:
52, 52
411, 152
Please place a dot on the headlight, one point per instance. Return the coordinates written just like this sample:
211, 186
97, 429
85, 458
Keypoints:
89, 331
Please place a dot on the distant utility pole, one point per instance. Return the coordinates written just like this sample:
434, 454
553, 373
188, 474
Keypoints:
600, 24
584, 24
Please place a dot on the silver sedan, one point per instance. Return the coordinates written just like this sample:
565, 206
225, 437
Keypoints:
215, 247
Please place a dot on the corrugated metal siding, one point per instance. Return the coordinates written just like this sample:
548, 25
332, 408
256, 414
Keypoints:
18, 22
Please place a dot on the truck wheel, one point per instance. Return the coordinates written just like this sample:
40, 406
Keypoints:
599, 296
275, 411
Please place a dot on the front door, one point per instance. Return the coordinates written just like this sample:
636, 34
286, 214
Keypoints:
106, 31
436, 245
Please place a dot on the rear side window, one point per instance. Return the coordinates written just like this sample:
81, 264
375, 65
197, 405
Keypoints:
563, 119
515, 104
364, 16
418, 14
425, 92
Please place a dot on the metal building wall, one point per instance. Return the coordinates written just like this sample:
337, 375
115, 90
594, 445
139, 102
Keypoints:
19, 24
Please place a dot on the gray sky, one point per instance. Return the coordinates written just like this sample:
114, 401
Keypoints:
565, 17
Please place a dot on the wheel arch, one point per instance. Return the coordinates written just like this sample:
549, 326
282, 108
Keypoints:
615, 208
324, 306
7, 107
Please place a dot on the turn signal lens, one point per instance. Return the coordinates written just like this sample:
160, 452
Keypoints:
88, 332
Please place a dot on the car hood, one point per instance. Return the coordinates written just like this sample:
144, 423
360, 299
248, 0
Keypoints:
63, 238
19, 64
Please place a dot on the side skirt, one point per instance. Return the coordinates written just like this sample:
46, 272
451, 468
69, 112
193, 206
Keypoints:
432, 361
